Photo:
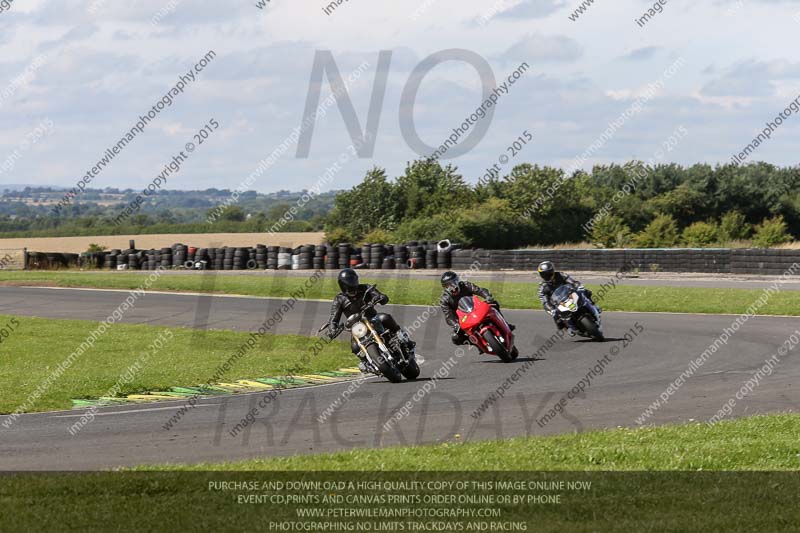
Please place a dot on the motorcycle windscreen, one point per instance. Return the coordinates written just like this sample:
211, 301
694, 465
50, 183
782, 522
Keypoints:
466, 304
560, 294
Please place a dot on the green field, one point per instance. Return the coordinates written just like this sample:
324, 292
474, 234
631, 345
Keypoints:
755, 443
190, 357
513, 295
739, 475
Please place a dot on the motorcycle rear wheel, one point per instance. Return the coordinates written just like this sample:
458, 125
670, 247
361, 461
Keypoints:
498, 349
387, 369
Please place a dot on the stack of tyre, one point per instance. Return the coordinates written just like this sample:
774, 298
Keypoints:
413, 255
201, 259
400, 256
241, 259
261, 256
165, 258
345, 250
377, 253
366, 254
284, 258
111, 259
431, 255
416, 255
227, 258
319, 257
152, 258
444, 254
178, 255
303, 257
272, 257
331, 257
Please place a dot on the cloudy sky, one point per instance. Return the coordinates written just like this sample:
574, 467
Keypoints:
90, 68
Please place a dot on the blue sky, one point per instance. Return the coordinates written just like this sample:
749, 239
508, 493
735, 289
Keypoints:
99, 64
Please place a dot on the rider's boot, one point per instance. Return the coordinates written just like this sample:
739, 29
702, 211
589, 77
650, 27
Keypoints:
362, 365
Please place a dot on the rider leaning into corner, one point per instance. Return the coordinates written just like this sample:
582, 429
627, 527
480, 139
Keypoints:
551, 280
454, 290
352, 299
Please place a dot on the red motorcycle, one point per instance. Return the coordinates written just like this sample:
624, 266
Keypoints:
486, 328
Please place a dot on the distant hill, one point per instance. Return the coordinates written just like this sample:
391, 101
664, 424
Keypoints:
28, 211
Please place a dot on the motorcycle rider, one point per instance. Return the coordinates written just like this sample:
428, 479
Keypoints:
352, 299
454, 290
552, 280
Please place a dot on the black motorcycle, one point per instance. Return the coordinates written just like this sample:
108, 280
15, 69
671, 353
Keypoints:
383, 352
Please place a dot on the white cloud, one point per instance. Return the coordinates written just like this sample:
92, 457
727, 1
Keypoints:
105, 69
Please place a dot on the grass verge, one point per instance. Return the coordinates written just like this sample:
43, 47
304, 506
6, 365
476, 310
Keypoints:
576, 497
768, 442
35, 348
513, 295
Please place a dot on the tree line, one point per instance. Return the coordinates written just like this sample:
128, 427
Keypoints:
617, 205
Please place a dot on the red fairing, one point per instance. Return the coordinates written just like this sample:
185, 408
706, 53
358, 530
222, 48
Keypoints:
484, 317
468, 321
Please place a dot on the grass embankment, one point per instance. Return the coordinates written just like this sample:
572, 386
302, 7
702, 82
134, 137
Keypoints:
513, 295
35, 348
676, 498
756, 443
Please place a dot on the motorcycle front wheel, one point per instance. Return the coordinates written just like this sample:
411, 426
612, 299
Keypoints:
590, 328
497, 347
387, 369
411, 371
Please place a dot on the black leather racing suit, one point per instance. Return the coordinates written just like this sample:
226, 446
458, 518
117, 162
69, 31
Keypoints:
546, 289
449, 303
344, 305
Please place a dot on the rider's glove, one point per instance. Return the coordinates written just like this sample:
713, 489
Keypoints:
382, 299
581, 288
552, 312
492, 302
333, 331
456, 328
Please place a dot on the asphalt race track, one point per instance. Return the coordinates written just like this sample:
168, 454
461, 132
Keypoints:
638, 373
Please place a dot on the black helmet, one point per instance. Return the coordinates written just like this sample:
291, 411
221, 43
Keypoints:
348, 281
547, 270
450, 282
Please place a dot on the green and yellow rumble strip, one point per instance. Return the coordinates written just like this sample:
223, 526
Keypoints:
221, 389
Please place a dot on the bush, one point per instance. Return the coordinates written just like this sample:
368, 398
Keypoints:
733, 227
377, 236
433, 228
95, 248
771, 232
610, 232
338, 235
661, 232
701, 234
493, 224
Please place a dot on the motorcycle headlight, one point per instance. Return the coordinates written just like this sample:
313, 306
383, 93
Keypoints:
359, 329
